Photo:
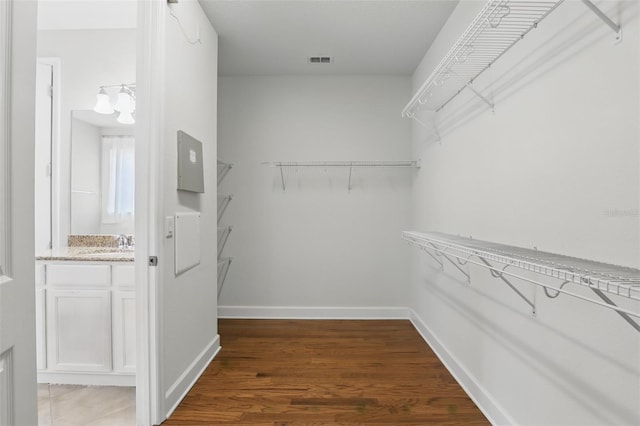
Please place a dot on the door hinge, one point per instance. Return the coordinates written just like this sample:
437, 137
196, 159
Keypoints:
153, 260
49, 168
51, 91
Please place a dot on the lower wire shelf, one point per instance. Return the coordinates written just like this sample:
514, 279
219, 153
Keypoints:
602, 279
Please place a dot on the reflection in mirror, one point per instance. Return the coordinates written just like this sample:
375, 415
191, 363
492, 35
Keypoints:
102, 174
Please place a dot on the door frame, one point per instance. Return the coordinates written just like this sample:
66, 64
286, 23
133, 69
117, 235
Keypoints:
56, 238
5, 128
148, 218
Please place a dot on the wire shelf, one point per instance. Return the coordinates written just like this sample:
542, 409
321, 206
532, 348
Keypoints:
223, 169
223, 203
597, 276
223, 237
223, 269
498, 26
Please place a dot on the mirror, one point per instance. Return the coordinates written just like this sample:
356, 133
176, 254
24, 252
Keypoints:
102, 174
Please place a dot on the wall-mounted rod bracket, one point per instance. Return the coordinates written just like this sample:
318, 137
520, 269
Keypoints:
499, 274
350, 173
595, 9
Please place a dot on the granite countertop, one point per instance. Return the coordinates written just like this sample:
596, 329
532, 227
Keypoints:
89, 254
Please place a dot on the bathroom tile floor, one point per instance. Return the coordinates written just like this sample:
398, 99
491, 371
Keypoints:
70, 405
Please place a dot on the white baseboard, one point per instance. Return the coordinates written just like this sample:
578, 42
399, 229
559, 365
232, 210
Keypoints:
188, 378
312, 312
86, 379
485, 402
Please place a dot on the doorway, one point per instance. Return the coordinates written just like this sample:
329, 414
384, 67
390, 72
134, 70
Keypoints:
85, 305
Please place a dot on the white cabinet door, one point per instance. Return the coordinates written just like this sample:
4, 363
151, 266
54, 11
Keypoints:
124, 331
79, 330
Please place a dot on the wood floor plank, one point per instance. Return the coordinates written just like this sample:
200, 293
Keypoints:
317, 372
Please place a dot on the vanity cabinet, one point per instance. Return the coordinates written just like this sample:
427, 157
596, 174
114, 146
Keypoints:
85, 322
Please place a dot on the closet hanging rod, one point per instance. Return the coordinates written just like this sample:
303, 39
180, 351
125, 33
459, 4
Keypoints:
414, 164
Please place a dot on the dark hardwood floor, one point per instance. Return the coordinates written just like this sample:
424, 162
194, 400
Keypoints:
312, 372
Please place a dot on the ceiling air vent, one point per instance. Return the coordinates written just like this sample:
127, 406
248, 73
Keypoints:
320, 59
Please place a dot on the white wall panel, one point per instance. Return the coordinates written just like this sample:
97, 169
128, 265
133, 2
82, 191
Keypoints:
316, 244
556, 167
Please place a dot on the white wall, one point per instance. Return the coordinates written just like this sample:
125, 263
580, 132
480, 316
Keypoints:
189, 330
88, 59
315, 247
556, 167
85, 179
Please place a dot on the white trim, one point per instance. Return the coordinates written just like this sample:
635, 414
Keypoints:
56, 238
478, 394
312, 312
89, 379
190, 375
5, 135
148, 130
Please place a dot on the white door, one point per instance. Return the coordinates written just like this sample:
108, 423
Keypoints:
44, 83
17, 290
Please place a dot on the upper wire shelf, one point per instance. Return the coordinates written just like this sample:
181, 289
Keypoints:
600, 277
497, 27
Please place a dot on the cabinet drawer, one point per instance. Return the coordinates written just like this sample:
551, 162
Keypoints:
124, 275
98, 275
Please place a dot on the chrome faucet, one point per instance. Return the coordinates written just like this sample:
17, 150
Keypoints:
123, 241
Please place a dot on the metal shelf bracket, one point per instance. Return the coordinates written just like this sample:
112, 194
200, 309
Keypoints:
624, 316
223, 203
601, 278
440, 252
600, 14
483, 98
223, 270
223, 169
499, 274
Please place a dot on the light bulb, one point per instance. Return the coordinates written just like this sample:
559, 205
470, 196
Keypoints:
103, 104
125, 118
125, 102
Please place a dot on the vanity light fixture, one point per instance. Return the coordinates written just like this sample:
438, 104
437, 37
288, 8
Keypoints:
103, 105
125, 104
